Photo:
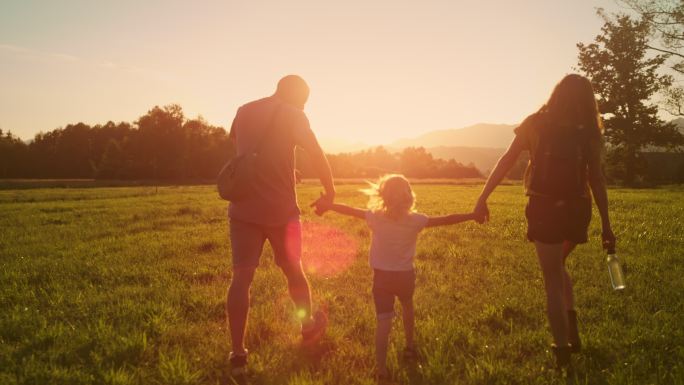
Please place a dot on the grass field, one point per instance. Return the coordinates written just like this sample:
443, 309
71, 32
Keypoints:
126, 285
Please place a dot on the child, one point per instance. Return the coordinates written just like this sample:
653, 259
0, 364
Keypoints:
394, 226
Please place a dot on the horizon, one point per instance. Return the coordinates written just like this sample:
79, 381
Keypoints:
404, 70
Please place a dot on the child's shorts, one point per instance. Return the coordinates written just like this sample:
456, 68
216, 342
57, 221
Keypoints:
551, 220
390, 284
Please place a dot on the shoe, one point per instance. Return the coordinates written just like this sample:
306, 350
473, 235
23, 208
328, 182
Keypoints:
573, 333
562, 354
383, 379
238, 364
410, 354
313, 333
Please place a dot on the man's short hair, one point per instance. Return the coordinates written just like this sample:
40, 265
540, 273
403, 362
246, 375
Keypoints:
293, 89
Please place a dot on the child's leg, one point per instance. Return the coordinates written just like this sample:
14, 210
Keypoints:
408, 317
381, 342
384, 311
405, 290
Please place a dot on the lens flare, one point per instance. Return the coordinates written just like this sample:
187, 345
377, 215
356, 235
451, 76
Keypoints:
326, 250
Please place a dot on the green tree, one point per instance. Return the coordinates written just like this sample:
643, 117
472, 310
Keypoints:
666, 18
12, 156
626, 79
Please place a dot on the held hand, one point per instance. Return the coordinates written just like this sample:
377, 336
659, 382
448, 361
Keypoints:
477, 218
322, 204
608, 239
481, 212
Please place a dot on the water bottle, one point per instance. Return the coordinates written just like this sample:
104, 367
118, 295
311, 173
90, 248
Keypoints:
617, 277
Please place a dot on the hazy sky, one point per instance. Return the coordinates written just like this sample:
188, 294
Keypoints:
378, 69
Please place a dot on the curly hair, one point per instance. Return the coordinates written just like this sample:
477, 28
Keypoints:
391, 193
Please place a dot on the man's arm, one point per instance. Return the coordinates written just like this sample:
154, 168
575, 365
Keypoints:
449, 219
322, 168
307, 140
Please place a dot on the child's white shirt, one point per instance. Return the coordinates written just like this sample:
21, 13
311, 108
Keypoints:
393, 242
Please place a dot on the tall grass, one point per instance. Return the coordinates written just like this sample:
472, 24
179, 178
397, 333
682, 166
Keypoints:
127, 286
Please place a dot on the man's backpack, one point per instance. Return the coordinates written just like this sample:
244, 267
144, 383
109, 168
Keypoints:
235, 180
559, 166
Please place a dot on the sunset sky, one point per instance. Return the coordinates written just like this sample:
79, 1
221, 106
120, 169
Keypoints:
378, 70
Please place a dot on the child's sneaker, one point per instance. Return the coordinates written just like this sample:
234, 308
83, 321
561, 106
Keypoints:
238, 364
410, 354
313, 333
383, 378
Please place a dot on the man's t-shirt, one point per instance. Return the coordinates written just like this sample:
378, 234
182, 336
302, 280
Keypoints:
529, 132
274, 202
393, 242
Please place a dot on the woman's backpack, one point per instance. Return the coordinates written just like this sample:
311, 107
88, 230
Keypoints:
235, 180
559, 166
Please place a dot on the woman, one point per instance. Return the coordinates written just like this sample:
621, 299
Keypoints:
566, 145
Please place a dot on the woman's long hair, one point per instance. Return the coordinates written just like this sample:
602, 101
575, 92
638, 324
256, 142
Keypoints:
573, 102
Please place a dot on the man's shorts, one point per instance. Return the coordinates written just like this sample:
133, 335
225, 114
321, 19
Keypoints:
247, 242
553, 220
390, 284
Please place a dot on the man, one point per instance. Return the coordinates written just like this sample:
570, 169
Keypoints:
274, 125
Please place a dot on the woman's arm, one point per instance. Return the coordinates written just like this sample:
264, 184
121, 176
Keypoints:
503, 166
449, 219
597, 183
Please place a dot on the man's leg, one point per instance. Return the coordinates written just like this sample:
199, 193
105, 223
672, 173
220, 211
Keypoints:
237, 306
286, 242
298, 286
246, 241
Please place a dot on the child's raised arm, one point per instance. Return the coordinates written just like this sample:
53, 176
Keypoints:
449, 219
322, 205
348, 210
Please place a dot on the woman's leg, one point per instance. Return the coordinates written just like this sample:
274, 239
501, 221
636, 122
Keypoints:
551, 262
573, 330
568, 247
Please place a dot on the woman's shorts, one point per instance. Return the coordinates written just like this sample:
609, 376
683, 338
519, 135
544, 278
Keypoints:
553, 220
390, 284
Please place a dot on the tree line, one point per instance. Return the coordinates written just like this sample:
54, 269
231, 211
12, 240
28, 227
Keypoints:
164, 145
414, 162
161, 144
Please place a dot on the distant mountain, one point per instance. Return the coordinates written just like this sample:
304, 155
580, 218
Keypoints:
484, 158
336, 146
478, 135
